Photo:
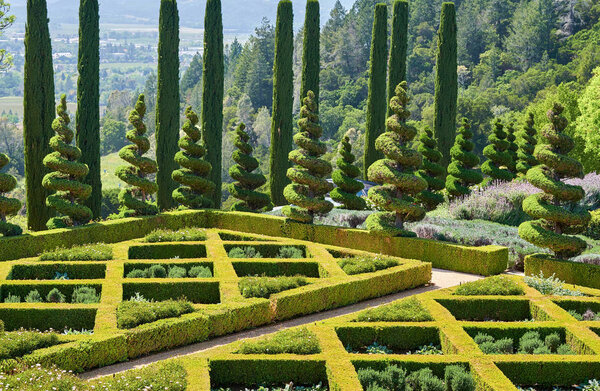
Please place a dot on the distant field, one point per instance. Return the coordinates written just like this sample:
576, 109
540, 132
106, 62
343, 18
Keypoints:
15, 103
109, 164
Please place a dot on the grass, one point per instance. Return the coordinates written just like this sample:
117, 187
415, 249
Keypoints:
133, 313
492, 286
293, 341
88, 252
183, 235
360, 265
266, 286
19, 343
407, 310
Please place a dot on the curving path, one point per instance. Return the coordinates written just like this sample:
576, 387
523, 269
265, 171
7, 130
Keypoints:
440, 279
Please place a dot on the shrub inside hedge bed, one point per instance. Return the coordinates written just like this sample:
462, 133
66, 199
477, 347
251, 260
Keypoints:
581, 310
87, 252
170, 270
66, 290
391, 339
491, 286
266, 251
138, 311
292, 341
361, 265
55, 271
264, 287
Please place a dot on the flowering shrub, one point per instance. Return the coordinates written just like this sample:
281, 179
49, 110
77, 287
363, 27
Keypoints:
18, 343
550, 286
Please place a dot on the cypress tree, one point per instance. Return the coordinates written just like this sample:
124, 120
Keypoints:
431, 171
376, 103
461, 173
167, 102
555, 213
311, 47
344, 178
512, 148
496, 167
526, 141
309, 184
283, 102
38, 110
65, 180
213, 76
446, 82
396, 174
398, 48
196, 189
88, 100
8, 206
246, 182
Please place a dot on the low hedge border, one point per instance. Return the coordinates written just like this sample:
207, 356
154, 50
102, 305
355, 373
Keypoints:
570, 272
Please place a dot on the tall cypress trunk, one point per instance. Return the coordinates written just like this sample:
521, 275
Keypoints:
283, 101
38, 114
88, 100
212, 94
376, 104
398, 49
446, 83
167, 102
311, 56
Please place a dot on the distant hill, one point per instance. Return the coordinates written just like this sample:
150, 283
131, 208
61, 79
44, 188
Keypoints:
238, 15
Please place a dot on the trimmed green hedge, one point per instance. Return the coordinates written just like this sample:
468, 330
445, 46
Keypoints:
167, 251
52, 317
563, 372
196, 292
570, 272
479, 309
394, 337
276, 269
47, 271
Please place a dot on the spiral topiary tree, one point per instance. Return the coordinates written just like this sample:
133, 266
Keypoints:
196, 188
309, 185
461, 173
396, 174
552, 221
135, 201
496, 167
512, 148
344, 178
431, 171
65, 180
8, 206
526, 141
246, 182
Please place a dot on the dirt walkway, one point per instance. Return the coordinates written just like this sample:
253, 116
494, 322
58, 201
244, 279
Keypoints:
440, 279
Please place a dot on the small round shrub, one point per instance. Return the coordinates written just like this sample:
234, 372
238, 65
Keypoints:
12, 299
542, 350
552, 341
531, 335
564, 349
55, 296
157, 271
138, 273
200, 272
458, 379
529, 346
244, 252
505, 346
425, 380
488, 347
483, 338
290, 252
85, 295
33, 297
177, 272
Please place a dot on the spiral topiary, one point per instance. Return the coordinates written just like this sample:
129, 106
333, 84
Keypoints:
526, 142
309, 185
396, 174
512, 148
496, 167
65, 180
135, 200
8, 206
553, 221
431, 171
344, 178
196, 189
461, 173
244, 189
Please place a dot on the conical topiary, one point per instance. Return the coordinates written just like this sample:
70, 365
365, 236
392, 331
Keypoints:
8, 206
65, 180
309, 185
344, 178
526, 141
431, 171
136, 199
512, 148
396, 174
496, 167
554, 211
246, 182
461, 173
196, 188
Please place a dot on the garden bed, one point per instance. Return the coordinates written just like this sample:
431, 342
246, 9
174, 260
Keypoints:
419, 340
57, 271
167, 251
494, 310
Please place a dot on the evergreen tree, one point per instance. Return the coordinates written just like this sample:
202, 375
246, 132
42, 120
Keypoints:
555, 213
193, 75
88, 100
311, 47
196, 189
496, 167
396, 174
65, 180
398, 48
431, 171
309, 184
136, 199
246, 182
376, 106
344, 178
167, 102
283, 102
213, 76
526, 142
461, 172
38, 110
8, 206
446, 82
512, 148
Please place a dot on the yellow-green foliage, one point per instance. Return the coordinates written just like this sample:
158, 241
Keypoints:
8, 206
570, 272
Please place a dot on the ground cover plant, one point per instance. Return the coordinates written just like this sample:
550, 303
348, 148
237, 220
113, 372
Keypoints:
18, 343
88, 252
266, 286
293, 341
360, 265
395, 378
170, 271
189, 234
529, 343
493, 286
138, 310
588, 315
406, 310
550, 286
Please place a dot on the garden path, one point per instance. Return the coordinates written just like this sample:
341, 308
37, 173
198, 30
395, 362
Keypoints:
440, 279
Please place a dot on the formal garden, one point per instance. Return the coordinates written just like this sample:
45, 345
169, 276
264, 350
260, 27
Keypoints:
171, 268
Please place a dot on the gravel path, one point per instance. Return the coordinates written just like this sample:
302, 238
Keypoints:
440, 279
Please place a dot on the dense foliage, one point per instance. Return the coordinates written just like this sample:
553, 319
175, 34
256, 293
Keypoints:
8, 206
431, 171
461, 171
526, 141
345, 179
499, 159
